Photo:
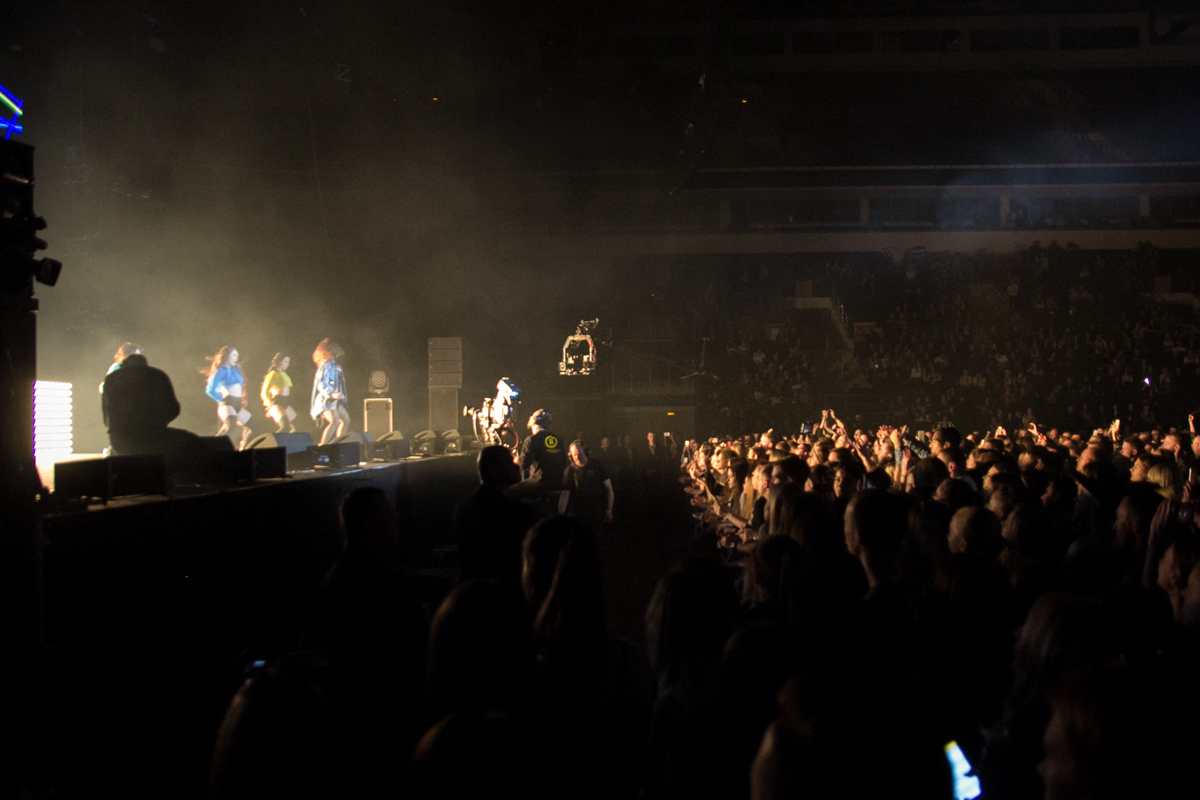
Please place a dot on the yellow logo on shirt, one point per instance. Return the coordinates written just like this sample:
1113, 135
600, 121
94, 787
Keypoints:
551, 442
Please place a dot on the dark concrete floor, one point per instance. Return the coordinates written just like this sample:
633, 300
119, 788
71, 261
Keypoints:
651, 530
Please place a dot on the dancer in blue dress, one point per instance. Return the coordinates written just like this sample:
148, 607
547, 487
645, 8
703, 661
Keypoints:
329, 391
227, 386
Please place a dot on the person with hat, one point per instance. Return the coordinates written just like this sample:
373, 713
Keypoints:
543, 460
138, 402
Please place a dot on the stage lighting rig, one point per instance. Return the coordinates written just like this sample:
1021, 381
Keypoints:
379, 383
579, 351
493, 422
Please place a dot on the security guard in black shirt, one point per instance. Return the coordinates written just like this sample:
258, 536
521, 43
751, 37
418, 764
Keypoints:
543, 460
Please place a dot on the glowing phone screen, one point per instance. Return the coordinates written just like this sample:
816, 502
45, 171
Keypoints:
966, 785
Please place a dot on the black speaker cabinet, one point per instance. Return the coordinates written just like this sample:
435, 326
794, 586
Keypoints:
295, 447
361, 438
391, 446
269, 462
294, 442
227, 469
262, 440
452, 442
426, 443
246, 466
115, 476
338, 455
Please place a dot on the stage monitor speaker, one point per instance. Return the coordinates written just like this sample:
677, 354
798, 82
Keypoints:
293, 442
361, 438
294, 447
337, 456
391, 446
377, 415
262, 440
85, 478
269, 462
452, 442
426, 443
227, 469
138, 475
115, 476
246, 466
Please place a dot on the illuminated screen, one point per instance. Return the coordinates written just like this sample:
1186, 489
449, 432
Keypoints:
966, 785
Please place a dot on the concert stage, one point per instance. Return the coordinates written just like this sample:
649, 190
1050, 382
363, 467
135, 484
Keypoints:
153, 605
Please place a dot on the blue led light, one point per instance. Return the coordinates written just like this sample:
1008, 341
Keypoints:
11, 126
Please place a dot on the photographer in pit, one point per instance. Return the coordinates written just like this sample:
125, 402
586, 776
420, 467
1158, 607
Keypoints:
543, 460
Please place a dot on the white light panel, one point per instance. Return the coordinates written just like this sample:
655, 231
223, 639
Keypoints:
52, 421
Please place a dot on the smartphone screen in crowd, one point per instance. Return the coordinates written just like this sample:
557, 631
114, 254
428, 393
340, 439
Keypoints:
966, 785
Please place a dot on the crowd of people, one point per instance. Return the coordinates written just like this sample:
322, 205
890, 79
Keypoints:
859, 609
1028, 602
858, 613
1053, 334
1060, 336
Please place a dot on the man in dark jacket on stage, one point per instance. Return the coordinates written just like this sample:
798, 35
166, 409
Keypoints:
139, 403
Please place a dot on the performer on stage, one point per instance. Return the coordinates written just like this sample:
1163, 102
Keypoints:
227, 386
123, 352
329, 391
276, 389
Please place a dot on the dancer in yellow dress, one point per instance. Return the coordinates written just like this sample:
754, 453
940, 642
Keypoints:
276, 391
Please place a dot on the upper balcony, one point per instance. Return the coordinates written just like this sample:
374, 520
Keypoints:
891, 44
